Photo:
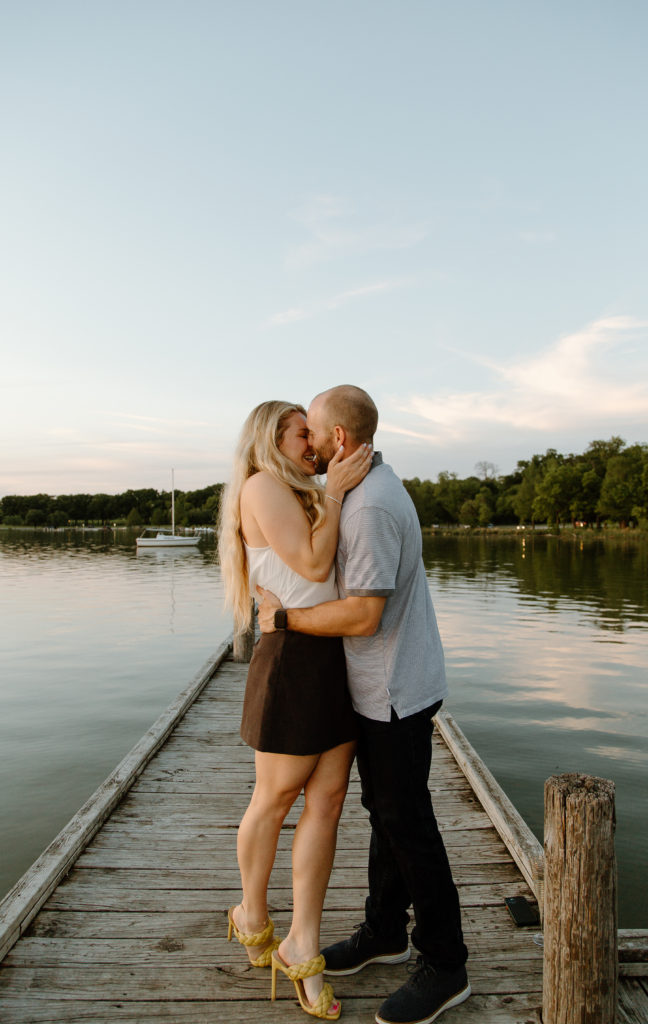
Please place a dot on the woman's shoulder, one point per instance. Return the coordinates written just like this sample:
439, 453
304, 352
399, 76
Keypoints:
263, 485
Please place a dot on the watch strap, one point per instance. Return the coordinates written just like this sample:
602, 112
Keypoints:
281, 618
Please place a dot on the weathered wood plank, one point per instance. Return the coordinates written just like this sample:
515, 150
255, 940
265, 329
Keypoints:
117, 921
350, 900
195, 851
174, 949
495, 1009
633, 1001
222, 804
169, 982
183, 877
633, 945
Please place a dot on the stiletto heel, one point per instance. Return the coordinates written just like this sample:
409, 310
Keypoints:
296, 973
262, 938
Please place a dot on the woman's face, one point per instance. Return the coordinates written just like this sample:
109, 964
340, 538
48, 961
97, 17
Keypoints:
294, 444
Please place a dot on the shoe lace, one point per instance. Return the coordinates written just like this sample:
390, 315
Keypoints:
418, 970
360, 929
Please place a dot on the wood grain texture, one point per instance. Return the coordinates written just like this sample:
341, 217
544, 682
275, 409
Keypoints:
580, 928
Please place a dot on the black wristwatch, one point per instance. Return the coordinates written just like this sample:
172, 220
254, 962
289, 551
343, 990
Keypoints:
281, 618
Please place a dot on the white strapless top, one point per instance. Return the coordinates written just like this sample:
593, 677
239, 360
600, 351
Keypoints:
266, 569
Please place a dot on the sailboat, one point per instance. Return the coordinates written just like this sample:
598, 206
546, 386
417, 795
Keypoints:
152, 537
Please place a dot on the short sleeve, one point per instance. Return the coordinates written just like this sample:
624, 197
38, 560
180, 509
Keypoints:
373, 549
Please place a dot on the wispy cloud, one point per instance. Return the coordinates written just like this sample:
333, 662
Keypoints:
290, 316
335, 228
360, 293
569, 385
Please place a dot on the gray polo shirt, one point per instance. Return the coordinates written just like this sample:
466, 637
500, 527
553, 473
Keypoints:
379, 554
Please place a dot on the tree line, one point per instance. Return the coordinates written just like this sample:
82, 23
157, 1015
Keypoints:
146, 507
606, 483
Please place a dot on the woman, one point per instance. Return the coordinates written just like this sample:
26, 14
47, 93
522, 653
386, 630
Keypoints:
279, 530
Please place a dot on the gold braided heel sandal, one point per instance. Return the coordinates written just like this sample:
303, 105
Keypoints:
297, 972
262, 938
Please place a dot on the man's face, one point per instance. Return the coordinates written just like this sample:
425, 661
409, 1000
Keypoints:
320, 437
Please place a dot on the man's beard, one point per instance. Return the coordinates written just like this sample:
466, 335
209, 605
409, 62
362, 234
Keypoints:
323, 456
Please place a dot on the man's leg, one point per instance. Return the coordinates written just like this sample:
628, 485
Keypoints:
400, 765
409, 855
389, 897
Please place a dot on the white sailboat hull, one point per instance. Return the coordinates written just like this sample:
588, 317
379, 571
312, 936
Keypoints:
167, 541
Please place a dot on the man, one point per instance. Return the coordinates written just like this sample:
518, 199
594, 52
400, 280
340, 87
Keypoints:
397, 683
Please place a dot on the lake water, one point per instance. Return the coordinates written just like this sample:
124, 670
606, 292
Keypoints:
546, 647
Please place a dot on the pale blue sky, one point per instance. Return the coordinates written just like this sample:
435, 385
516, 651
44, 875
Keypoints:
207, 204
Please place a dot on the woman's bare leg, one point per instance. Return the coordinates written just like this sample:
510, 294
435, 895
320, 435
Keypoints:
313, 853
280, 779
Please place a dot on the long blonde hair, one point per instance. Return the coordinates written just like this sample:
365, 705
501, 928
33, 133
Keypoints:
257, 450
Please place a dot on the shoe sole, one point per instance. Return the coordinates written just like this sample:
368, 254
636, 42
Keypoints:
460, 997
386, 958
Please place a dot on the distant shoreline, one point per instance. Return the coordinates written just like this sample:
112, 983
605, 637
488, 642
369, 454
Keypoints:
586, 534
634, 536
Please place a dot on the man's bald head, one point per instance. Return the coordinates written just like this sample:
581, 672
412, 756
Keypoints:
345, 415
350, 407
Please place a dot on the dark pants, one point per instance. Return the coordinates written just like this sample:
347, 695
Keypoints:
408, 863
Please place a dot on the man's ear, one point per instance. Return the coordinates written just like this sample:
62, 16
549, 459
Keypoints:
339, 434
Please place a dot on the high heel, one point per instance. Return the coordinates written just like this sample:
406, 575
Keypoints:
297, 972
254, 939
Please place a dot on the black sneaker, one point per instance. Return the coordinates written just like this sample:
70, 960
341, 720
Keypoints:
425, 995
364, 947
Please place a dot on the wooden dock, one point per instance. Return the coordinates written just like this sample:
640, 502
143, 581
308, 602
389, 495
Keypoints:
123, 918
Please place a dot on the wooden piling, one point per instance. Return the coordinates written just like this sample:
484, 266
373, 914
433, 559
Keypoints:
580, 919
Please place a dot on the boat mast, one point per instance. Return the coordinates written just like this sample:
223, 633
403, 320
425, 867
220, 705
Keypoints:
172, 504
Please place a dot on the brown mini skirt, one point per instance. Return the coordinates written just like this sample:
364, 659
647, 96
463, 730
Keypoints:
296, 697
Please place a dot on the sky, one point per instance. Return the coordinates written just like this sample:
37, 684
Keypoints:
204, 205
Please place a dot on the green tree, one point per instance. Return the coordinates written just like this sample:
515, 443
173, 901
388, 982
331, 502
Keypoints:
35, 517
525, 494
486, 501
623, 484
469, 512
101, 508
134, 517
57, 519
556, 492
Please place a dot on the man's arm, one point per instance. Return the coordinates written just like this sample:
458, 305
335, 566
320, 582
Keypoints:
352, 616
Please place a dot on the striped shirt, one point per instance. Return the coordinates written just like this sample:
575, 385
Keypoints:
380, 555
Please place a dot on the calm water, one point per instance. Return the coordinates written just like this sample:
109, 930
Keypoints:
546, 647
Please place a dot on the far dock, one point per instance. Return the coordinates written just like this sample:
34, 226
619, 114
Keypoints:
123, 918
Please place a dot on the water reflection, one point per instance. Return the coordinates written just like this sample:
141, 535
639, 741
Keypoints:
547, 652
609, 583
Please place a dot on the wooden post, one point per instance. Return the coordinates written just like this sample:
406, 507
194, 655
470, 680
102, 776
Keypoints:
580, 919
244, 642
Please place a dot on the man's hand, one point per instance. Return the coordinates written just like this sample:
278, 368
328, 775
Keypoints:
268, 604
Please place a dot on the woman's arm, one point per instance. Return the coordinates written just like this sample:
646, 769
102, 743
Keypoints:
272, 514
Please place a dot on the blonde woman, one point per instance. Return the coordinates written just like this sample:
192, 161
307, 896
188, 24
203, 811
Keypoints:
279, 530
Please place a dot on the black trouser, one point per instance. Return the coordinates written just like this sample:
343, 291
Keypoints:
408, 863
